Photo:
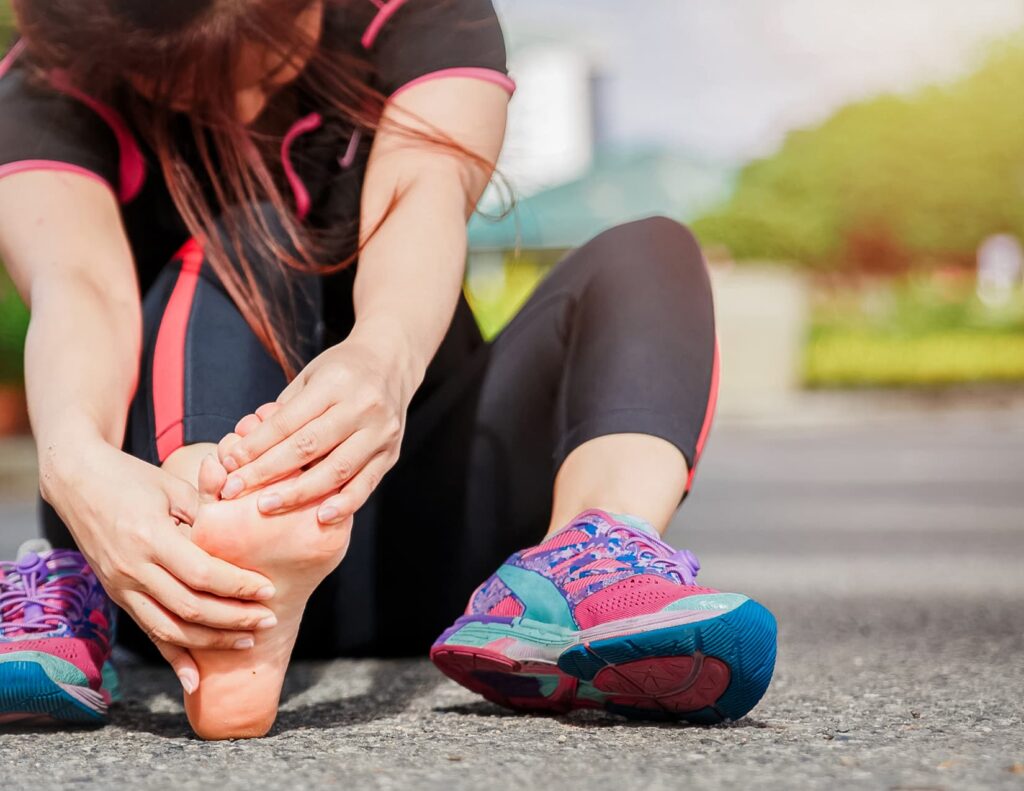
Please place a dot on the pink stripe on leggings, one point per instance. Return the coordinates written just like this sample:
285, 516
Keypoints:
169, 354
709, 416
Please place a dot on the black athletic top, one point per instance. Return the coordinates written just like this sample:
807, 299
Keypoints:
323, 158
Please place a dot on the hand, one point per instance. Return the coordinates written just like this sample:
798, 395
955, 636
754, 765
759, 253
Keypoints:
129, 519
341, 421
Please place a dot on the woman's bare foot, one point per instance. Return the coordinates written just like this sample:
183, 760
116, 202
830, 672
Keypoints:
239, 691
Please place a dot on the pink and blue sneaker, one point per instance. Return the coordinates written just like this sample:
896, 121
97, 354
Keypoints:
55, 638
604, 614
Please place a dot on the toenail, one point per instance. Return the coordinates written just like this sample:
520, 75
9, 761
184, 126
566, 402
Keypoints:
270, 502
244, 643
230, 464
267, 623
233, 486
266, 592
329, 514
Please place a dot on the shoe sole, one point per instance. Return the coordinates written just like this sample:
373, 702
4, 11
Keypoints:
27, 692
705, 672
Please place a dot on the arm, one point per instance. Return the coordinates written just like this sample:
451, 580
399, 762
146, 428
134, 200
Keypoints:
62, 241
347, 408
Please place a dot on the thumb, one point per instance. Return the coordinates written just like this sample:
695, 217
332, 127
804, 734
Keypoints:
184, 666
183, 498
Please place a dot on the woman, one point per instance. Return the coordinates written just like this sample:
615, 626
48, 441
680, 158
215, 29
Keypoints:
219, 392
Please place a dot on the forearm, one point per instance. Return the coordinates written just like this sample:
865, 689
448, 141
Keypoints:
81, 363
410, 275
63, 242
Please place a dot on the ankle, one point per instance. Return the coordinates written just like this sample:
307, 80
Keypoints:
563, 515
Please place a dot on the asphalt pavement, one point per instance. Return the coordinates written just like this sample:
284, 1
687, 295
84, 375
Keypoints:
890, 549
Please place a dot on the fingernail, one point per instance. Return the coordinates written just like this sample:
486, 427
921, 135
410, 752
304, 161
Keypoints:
232, 486
267, 623
266, 592
328, 514
230, 464
269, 502
189, 679
244, 643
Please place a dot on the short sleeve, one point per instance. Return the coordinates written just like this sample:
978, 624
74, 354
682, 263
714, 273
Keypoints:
412, 41
42, 129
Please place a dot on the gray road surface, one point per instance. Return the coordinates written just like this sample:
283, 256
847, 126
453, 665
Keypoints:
891, 551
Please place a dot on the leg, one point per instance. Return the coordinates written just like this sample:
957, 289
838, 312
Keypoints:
204, 369
602, 390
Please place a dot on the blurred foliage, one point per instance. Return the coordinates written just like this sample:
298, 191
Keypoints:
6, 20
497, 289
890, 182
921, 331
13, 326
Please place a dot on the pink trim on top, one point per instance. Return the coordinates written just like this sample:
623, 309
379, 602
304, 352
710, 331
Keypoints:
169, 354
709, 415
383, 15
132, 167
11, 56
30, 165
303, 202
499, 78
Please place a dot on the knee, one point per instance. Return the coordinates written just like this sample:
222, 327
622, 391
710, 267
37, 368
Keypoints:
656, 250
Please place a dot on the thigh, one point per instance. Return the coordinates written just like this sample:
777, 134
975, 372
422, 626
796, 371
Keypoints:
203, 365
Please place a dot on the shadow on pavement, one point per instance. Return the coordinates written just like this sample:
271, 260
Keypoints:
392, 686
586, 719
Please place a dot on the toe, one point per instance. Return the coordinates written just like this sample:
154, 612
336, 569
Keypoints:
211, 479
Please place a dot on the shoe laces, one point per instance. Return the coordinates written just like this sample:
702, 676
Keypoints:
40, 594
681, 564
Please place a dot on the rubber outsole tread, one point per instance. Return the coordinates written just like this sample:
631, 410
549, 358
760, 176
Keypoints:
26, 689
743, 639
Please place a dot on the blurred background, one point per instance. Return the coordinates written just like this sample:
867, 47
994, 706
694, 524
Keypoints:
855, 172
854, 169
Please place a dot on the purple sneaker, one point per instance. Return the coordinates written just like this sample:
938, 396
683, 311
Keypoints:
55, 638
604, 614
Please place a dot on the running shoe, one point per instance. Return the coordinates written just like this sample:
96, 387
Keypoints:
604, 614
56, 627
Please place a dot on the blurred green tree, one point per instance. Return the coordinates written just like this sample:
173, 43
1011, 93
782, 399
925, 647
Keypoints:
890, 182
6, 21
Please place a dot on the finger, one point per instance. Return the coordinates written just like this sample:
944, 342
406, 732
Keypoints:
337, 509
247, 424
203, 609
224, 449
313, 441
208, 574
265, 411
162, 627
295, 386
323, 478
183, 498
283, 423
184, 666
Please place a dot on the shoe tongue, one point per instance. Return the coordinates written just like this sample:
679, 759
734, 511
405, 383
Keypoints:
35, 546
637, 524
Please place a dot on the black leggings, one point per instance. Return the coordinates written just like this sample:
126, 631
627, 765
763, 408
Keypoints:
618, 338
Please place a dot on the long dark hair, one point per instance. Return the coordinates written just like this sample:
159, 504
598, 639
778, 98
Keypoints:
189, 48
